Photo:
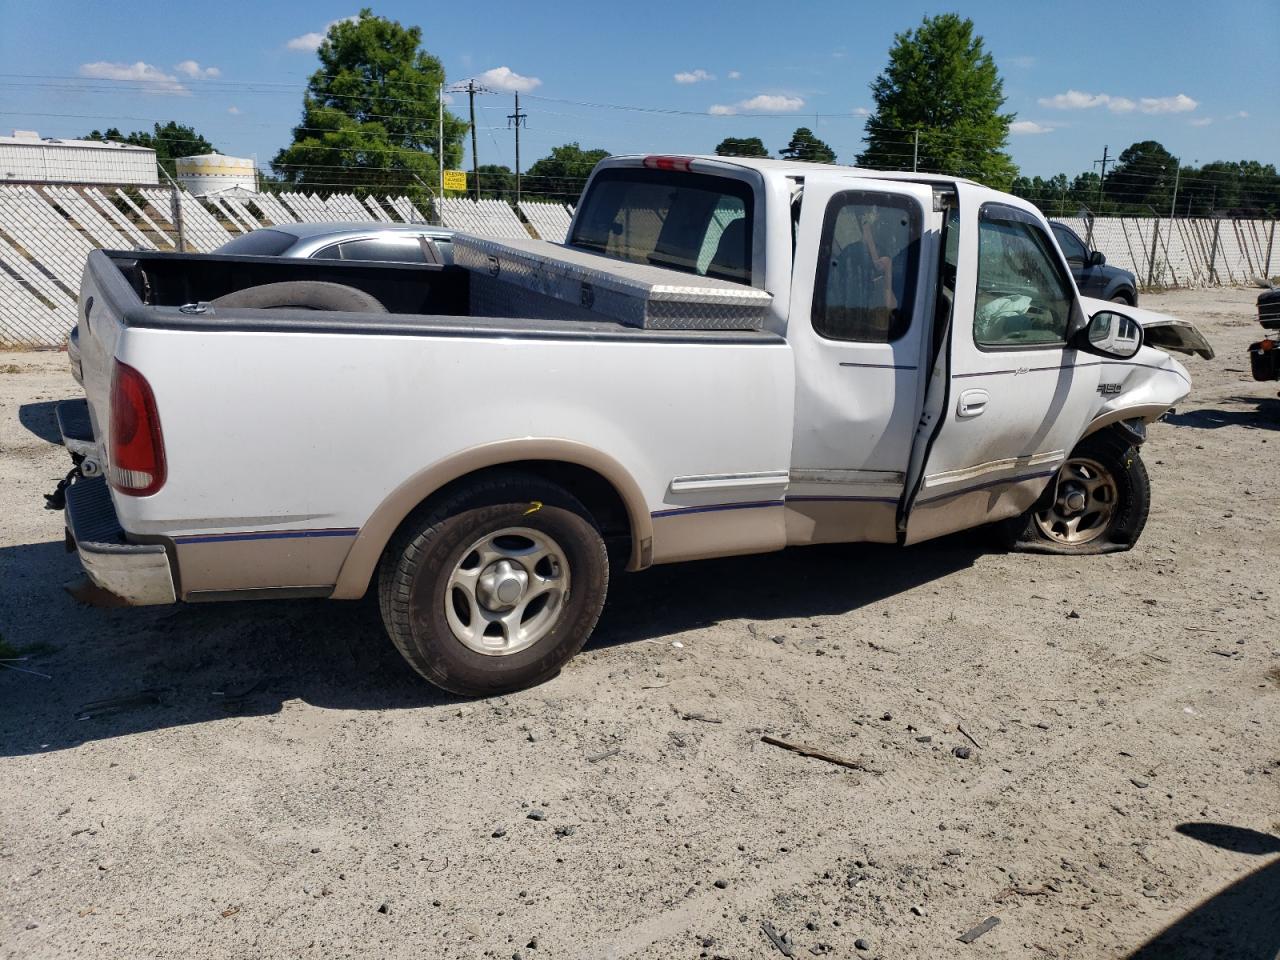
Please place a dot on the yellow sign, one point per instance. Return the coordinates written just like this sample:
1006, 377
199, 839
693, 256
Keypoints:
455, 180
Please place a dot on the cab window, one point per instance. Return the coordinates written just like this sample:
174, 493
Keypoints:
867, 264
684, 221
1071, 246
1024, 298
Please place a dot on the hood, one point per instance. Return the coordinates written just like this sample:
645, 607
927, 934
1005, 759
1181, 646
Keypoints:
1158, 329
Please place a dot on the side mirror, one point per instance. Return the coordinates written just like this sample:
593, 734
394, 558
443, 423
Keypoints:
1097, 258
1111, 334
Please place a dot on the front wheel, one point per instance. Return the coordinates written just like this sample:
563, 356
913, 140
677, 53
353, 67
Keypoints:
494, 588
1097, 502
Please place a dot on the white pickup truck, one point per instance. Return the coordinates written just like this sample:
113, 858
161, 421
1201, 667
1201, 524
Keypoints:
922, 363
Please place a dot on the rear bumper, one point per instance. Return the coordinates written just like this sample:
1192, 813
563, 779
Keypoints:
1264, 360
137, 573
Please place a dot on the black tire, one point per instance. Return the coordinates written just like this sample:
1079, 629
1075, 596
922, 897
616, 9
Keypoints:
303, 295
414, 574
1120, 459
1124, 297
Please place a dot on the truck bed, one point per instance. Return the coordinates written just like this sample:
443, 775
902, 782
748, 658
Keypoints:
426, 300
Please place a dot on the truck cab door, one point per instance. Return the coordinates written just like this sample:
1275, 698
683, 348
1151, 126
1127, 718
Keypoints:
862, 293
1013, 398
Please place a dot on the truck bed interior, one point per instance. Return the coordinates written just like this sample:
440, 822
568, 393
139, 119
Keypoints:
174, 279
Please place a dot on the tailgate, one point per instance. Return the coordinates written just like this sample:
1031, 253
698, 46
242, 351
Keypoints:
105, 295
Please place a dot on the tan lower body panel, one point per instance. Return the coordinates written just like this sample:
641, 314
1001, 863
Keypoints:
702, 534
252, 564
819, 520
963, 511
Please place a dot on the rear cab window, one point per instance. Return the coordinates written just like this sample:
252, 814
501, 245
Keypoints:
691, 222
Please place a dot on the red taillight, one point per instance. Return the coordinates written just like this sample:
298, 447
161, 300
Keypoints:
1266, 345
669, 163
136, 465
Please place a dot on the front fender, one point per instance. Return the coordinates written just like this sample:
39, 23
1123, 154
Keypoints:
1143, 388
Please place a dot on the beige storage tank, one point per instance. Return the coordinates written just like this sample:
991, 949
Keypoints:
214, 173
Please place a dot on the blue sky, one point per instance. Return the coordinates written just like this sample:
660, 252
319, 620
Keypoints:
1201, 79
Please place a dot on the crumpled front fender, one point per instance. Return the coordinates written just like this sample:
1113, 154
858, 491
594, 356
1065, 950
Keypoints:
1143, 388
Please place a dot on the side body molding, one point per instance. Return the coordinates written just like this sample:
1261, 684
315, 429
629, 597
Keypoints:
362, 560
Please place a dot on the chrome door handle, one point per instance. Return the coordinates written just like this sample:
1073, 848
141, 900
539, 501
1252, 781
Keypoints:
972, 403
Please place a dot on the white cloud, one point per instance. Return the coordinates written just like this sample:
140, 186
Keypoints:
861, 112
1078, 100
735, 75
1179, 103
506, 79
149, 79
1022, 63
1200, 121
693, 76
310, 42
189, 68
773, 103
234, 111
1028, 127
761, 103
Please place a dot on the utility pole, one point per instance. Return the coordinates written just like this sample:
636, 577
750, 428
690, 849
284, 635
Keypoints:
475, 163
517, 120
440, 153
1103, 179
915, 153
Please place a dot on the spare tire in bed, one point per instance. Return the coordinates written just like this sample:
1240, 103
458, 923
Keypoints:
303, 295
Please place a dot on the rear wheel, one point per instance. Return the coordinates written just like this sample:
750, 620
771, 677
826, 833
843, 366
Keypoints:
1098, 502
494, 588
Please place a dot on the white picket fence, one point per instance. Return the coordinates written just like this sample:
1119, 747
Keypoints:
47, 231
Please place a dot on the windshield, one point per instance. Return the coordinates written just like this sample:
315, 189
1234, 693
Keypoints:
683, 221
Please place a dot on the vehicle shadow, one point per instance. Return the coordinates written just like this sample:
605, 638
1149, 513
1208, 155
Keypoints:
131, 670
1241, 922
39, 418
1263, 415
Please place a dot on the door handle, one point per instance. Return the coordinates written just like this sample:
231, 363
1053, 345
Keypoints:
972, 403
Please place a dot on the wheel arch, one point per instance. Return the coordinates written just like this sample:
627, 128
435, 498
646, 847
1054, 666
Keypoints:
603, 485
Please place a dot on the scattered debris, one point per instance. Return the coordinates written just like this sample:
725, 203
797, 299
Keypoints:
1073, 615
700, 716
862, 944
1156, 657
230, 912
604, 755
961, 753
1140, 784
385, 907
780, 940
721, 884
967, 735
535, 815
973, 933
817, 754
1229, 654
655, 686
567, 830
1041, 891
131, 701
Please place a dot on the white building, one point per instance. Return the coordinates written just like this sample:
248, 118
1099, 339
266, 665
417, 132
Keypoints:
25, 156
211, 173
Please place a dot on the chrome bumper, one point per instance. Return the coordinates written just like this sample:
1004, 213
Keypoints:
137, 573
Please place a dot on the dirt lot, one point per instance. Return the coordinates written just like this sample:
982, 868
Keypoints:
275, 783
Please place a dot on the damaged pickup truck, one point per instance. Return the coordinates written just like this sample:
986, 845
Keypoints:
727, 356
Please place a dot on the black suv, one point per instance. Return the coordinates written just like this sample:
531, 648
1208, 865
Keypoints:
1089, 267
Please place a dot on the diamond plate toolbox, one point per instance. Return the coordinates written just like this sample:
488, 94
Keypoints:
590, 284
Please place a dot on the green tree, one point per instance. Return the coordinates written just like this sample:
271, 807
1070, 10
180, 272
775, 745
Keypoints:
370, 114
496, 182
561, 176
805, 146
1142, 180
941, 83
169, 140
741, 147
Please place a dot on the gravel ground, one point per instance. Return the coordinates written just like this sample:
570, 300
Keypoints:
274, 782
